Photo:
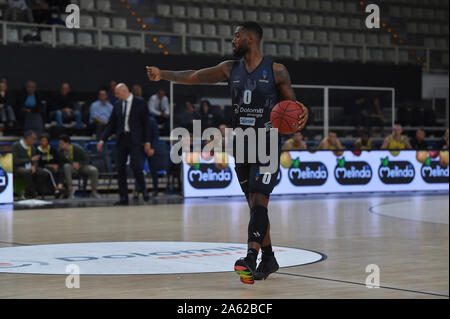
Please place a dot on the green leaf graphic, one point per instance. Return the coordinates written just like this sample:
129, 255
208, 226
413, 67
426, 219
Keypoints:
296, 163
197, 166
385, 161
428, 161
341, 162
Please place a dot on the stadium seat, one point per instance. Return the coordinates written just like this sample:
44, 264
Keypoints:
288, 4
193, 12
66, 37
304, 19
331, 22
275, 3
265, 16
342, 22
411, 27
13, 35
351, 7
196, 46
208, 13
352, 54
317, 20
430, 42
212, 46
223, 14
375, 54
135, 42
85, 39
334, 37
225, 30
179, 27
251, 15
291, 18
87, 5
119, 41
278, 17
262, 3
228, 48
338, 6
104, 5
301, 4
281, 34
26, 31
372, 39
403, 56
394, 11
103, 22
442, 43
308, 36
445, 58
119, 23
360, 38
270, 49
209, 29
106, 41
194, 28
301, 51
249, 3
347, 38
389, 55
86, 21
268, 33
324, 52
326, 6
237, 15
338, 53
179, 11
163, 10
321, 36
385, 39
355, 23
284, 50
46, 36
312, 52
294, 34
314, 5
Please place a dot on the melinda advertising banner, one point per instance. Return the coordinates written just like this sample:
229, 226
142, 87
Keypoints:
304, 172
6, 178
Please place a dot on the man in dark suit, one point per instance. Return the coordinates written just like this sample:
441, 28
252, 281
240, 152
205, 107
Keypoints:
129, 121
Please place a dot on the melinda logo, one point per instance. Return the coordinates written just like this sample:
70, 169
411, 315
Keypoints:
134, 258
352, 173
434, 173
396, 172
209, 176
308, 174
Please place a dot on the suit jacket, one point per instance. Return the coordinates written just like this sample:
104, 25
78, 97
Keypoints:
138, 122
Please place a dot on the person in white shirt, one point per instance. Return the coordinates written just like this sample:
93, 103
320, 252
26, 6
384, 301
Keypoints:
17, 8
158, 106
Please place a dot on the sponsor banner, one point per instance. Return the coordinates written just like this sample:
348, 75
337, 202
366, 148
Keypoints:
6, 178
138, 258
304, 172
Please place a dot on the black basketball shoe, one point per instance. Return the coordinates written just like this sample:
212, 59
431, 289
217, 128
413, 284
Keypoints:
267, 266
245, 268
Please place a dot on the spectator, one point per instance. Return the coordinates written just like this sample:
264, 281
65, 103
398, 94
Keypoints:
25, 163
158, 105
76, 160
29, 106
396, 141
330, 143
64, 108
207, 118
443, 144
41, 12
7, 115
111, 94
186, 117
17, 9
354, 113
418, 142
49, 161
99, 113
137, 90
364, 142
376, 117
295, 143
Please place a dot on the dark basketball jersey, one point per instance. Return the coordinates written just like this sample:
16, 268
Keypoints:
253, 94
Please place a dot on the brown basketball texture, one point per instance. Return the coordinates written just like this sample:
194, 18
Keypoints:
285, 116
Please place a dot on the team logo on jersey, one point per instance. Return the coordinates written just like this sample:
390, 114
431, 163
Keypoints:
264, 74
352, 173
396, 172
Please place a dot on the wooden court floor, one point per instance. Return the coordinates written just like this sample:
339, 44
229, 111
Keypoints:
406, 236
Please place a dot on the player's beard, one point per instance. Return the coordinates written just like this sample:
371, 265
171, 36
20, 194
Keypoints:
240, 51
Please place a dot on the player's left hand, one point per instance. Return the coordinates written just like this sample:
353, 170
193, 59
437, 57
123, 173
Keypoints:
148, 150
303, 118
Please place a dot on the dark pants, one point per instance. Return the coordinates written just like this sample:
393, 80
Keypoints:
97, 128
32, 181
126, 147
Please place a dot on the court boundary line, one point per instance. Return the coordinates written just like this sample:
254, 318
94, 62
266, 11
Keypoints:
361, 284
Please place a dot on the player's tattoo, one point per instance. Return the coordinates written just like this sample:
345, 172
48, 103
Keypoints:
209, 75
176, 76
283, 82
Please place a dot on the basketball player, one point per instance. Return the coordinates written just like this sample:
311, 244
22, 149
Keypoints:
257, 85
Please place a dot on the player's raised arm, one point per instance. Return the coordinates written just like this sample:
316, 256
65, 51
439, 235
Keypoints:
214, 74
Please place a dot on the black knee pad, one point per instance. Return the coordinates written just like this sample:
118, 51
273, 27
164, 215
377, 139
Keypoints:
259, 222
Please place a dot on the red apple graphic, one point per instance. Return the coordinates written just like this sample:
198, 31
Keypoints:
443, 158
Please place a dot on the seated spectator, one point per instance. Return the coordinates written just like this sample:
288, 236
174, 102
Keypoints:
111, 94
443, 144
17, 10
364, 142
208, 118
137, 90
29, 109
354, 113
158, 106
99, 113
7, 116
49, 161
330, 143
64, 108
186, 117
295, 143
41, 11
76, 161
396, 141
25, 163
418, 142
376, 117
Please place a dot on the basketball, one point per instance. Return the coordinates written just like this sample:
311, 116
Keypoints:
286, 116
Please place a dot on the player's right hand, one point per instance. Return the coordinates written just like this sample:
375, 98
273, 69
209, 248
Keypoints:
100, 146
154, 74
303, 117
